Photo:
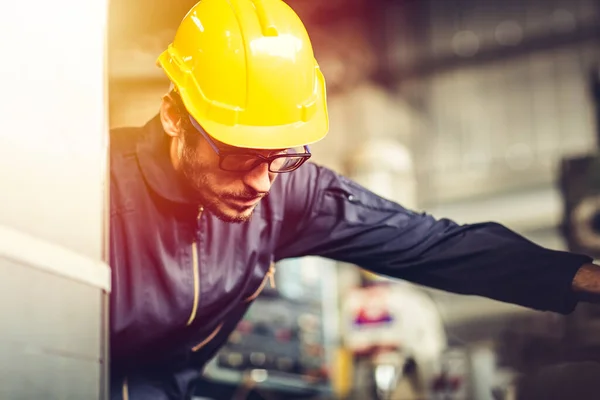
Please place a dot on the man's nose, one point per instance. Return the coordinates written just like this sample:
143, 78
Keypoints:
259, 179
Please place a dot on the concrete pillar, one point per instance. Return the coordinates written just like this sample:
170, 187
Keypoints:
54, 280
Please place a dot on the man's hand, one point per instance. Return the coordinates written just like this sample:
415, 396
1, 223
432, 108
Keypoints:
586, 283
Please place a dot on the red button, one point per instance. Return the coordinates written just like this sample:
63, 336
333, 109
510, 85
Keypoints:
284, 335
244, 327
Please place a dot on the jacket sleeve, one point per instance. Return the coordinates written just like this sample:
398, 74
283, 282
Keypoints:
328, 215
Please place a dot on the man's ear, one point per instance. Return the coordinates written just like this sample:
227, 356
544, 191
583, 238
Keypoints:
170, 117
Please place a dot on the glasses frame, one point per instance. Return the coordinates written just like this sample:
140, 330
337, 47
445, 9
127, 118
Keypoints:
260, 159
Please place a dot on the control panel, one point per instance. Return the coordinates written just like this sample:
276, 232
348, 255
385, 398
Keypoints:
284, 340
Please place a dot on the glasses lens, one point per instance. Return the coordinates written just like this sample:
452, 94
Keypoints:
286, 163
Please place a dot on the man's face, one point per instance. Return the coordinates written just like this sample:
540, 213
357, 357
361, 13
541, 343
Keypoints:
231, 196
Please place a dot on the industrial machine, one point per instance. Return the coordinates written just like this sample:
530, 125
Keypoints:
580, 186
284, 343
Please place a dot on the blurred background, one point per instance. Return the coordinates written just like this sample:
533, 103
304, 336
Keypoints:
474, 110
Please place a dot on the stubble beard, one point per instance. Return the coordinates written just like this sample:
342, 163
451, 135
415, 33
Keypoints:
196, 174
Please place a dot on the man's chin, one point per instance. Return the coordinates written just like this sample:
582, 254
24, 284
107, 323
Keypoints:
230, 215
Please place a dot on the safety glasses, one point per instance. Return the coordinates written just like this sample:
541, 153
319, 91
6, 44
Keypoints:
281, 161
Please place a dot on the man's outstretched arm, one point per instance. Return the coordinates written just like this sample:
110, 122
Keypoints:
330, 216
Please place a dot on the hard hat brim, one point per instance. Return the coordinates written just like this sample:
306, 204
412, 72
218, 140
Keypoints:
268, 137
296, 134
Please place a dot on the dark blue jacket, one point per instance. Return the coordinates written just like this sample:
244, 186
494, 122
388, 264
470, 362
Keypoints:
182, 279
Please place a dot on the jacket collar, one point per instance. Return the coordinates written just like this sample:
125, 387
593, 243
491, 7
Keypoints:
153, 156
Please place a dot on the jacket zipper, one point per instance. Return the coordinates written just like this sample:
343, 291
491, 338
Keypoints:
270, 276
196, 272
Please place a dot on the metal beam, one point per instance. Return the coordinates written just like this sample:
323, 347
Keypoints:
434, 65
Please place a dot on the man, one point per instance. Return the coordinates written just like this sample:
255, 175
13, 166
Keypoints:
216, 188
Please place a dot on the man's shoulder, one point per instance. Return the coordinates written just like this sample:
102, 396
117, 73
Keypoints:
298, 188
124, 168
123, 140
123, 148
309, 176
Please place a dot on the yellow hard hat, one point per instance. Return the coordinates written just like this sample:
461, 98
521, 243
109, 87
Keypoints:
246, 72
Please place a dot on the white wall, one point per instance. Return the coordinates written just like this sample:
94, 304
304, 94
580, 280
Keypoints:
53, 140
